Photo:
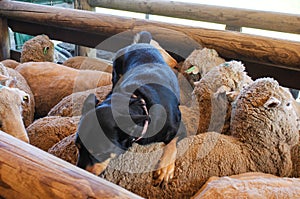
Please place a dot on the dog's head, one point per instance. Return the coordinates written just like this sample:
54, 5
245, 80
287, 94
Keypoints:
134, 55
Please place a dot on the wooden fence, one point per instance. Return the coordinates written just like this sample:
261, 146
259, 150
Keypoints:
262, 56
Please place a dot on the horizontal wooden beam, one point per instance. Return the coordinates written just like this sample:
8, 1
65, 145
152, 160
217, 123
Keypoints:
28, 172
230, 45
235, 17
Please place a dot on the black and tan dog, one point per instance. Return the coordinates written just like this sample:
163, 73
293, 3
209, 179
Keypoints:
143, 107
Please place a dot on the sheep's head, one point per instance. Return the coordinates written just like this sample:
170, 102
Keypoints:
263, 113
38, 49
214, 92
11, 100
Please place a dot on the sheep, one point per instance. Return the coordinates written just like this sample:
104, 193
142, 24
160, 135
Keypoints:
9, 63
200, 61
71, 105
269, 109
296, 149
51, 82
250, 185
66, 149
38, 49
47, 131
262, 147
15, 79
211, 154
11, 111
88, 63
215, 92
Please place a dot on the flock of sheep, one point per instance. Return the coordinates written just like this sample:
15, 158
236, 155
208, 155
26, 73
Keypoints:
235, 125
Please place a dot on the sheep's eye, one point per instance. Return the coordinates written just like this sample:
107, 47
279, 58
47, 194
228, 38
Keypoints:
288, 104
26, 99
46, 50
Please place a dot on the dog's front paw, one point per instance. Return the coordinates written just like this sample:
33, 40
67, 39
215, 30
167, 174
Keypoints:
162, 176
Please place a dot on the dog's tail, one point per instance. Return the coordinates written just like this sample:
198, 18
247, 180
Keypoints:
142, 37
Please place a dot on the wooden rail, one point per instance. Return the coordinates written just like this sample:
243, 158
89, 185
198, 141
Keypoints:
91, 29
234, 17
28, 172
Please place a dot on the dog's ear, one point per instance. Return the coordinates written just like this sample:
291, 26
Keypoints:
90, 103
142, 37
118, 65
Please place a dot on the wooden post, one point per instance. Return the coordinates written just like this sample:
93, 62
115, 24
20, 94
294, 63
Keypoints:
81, 50
28, 172
4, 40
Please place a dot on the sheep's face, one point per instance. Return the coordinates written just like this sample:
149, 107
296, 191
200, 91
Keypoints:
263, 113
11, 112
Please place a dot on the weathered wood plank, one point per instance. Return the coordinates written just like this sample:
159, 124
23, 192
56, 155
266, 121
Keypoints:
231, 45
28, 172
4, 40
225, 15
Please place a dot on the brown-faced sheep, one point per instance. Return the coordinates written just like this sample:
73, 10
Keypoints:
15, 79
47, 131
71, 105
251, 185
51, 82
38, 49
213, 154
11, 112
88, 63
9, 63
200, 62
213, 94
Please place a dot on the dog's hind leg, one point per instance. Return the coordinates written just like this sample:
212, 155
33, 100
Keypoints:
166, 165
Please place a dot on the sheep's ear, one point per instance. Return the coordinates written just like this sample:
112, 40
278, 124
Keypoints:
3, 78
13, 83
232, 95
89, 103
272, 103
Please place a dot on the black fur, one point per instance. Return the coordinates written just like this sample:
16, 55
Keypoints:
139, 75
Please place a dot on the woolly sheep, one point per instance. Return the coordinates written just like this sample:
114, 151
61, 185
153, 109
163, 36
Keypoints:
11, 111
38, 49
71, 105
47, 131
9, 63
271, 116
51, 82
251, 185
15, 79
203, 61
205, 155
88, 63
263, 148
214, 95
66, 149
296, 149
